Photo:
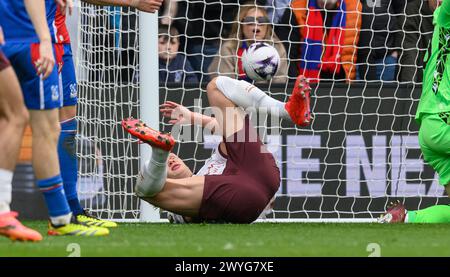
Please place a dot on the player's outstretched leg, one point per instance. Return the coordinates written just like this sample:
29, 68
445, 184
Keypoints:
181, 196
244, 94
13, 119
152, 177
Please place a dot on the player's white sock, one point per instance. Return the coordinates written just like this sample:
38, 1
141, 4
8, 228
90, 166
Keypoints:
6, 177
246, 95
154, 174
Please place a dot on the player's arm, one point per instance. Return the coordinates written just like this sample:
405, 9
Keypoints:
36, 11
179, 114
150, 6
443, 18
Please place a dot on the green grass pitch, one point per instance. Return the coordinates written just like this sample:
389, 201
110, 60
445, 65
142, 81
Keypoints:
261, 239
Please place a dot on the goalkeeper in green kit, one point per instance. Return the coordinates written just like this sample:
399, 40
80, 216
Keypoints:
433, 115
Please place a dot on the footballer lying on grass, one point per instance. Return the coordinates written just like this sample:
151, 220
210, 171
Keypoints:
240, 178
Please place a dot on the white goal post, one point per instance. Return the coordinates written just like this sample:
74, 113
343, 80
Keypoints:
360, 153
148, 92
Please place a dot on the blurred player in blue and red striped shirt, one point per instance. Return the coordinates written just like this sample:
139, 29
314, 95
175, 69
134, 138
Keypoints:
32, 56
13, 119
49, 87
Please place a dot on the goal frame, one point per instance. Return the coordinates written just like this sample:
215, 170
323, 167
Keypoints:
148, 93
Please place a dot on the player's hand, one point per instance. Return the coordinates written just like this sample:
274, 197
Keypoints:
2, 37
178, 114
149, 6
65, 6
46, 62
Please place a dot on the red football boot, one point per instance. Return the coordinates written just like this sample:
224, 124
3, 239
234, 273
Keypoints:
298, 105
396, 213
140, 130
12, 228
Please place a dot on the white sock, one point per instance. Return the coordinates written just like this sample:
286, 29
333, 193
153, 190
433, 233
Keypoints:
6, 177
61, 220
154, 174
245, 95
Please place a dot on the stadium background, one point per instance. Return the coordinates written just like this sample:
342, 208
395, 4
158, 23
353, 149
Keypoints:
351, 189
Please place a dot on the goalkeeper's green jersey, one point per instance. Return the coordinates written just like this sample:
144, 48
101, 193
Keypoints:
436, 82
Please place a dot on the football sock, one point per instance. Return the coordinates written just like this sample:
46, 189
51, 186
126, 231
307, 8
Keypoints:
154, 174
5, 189
55, 198
68, 163
254, 97
434, 214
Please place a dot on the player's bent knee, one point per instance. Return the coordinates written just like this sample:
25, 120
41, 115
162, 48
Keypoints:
18, 117
22, 117
20, 120
55, 130
46, 129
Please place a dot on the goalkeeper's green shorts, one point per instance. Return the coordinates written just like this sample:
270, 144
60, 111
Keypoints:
434, 139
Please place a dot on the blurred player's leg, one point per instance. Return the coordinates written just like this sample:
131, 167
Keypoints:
45, 133
67, 157
433, 214
68, 161
45, 127
434, 139
396, 213
13, 119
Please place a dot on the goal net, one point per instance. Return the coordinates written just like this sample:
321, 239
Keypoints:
360, 152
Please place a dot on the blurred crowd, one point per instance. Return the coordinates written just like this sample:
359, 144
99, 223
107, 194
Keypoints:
327, 40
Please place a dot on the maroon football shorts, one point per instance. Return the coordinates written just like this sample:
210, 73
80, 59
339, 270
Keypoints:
250, 179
